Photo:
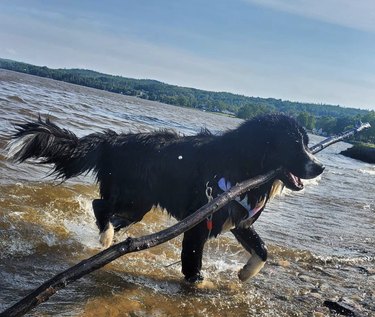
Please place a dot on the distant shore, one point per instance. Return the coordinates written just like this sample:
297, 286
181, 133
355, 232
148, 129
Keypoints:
364, 152
324, 119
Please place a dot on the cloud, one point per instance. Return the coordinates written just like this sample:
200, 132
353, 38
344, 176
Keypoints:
62, 42
355, 14
77, 44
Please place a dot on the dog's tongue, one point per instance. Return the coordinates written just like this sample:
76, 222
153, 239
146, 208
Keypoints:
296, 180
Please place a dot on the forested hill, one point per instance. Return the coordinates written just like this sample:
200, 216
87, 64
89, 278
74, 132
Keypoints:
329, 118
181, 96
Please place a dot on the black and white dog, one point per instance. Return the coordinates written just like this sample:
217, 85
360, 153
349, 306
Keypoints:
138, 171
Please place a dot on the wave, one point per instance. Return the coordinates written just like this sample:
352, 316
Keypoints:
367, 171
16, 98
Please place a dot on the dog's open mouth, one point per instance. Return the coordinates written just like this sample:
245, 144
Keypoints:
291, 181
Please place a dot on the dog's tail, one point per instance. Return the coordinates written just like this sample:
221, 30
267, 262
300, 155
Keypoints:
49, 144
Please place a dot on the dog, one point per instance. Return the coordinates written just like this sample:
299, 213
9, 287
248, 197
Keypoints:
138, 171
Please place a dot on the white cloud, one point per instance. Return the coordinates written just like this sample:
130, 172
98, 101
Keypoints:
59, 45
356, 14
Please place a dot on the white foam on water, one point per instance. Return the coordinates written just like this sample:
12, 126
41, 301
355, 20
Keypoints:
19, 246
345, 260
368, 207
367, 171
83, 227
313, 182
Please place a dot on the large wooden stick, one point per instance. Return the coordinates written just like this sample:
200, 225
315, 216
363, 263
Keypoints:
60, 281
336, 138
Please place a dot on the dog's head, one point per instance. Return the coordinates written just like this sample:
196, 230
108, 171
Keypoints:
282, 142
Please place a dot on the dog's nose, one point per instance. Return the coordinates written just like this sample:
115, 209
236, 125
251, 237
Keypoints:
313, 169
319, 169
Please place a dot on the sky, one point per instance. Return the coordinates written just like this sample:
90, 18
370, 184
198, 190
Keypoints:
320, 51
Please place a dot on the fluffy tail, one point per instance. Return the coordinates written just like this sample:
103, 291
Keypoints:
50, 144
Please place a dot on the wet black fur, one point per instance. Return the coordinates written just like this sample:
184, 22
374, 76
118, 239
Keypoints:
140, 170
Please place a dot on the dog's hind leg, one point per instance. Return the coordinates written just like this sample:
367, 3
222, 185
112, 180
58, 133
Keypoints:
103, 212
251, 241
192, 252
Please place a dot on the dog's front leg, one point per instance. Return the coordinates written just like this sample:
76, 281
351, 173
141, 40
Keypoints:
252, 242
192, 252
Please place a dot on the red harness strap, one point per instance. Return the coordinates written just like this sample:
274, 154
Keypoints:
210, 224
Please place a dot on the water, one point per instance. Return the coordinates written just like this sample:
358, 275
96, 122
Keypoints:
321, 240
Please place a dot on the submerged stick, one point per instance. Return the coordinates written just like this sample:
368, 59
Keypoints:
60, 281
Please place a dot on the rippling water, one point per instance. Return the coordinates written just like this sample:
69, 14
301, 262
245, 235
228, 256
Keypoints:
321, 240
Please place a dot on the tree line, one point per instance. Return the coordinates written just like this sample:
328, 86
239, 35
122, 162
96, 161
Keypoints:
320, 124
326, 119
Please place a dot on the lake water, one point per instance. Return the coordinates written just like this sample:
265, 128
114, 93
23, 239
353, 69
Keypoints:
321, 240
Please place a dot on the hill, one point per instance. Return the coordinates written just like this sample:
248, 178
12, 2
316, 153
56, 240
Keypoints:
327, 119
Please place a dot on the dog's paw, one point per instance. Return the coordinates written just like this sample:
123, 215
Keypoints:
197, 278
252, 268
106, 237
198, 282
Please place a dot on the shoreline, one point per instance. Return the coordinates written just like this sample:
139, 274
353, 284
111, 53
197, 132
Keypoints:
364, 152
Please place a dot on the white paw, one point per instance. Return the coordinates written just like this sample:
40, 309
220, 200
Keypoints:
106, 237
252, 268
